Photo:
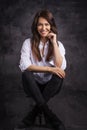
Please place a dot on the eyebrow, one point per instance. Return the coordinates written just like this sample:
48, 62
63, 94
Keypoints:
43, 23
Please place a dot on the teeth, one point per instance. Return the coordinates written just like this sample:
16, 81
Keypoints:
43, 32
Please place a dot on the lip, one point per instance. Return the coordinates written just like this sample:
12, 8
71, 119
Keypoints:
43, 32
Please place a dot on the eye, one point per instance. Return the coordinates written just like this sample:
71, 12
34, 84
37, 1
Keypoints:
39, 24
47, 24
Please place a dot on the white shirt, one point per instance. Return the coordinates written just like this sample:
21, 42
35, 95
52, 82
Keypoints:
27, 59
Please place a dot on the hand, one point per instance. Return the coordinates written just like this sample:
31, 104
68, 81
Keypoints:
58, 71
52, 37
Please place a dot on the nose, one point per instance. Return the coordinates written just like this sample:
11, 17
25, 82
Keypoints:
43, 27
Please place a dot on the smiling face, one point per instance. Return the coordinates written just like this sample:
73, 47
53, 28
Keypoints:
43, 27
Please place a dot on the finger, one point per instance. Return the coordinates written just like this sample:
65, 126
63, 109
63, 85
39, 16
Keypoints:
51, 34
59, 75
62, 73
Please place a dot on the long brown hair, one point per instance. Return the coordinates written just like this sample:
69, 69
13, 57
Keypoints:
35, 40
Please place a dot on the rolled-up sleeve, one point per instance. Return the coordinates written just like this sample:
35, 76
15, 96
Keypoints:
62, 52
25, 60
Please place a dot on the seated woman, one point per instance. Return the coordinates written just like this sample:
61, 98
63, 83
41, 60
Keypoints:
42, 64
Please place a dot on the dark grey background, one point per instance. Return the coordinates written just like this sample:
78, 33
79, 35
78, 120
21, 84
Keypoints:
15, 21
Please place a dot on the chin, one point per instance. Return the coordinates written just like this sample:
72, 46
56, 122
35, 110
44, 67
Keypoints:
44, 35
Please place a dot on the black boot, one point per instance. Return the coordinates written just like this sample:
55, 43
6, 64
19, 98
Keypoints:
30, 118
52, 118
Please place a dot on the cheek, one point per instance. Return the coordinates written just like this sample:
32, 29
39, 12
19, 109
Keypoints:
38, 28
49, 28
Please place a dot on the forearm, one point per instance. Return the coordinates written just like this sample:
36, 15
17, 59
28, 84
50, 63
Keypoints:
39, 69
57, 56
55, 70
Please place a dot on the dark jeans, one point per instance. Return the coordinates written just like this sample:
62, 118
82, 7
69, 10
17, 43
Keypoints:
40, 93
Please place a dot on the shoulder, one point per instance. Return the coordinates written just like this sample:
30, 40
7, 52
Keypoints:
26, 45
27, 42
60, 44
61, 47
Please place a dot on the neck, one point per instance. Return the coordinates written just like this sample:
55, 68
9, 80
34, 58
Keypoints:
44, 39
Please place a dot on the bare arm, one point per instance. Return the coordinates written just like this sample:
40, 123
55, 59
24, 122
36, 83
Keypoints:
55, 70
57, 56
39, 69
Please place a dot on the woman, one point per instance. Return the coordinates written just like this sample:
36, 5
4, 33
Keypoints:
42, 64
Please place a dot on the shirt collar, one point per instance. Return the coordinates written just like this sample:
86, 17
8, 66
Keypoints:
46, 44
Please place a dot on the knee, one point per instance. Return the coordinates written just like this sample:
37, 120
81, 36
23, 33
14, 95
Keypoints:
59, 83
58, 80
28, 76
26, 73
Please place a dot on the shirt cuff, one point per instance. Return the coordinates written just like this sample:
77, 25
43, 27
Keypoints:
23, 67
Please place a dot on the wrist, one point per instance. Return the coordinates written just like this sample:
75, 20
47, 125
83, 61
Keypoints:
55, 44
49, 69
